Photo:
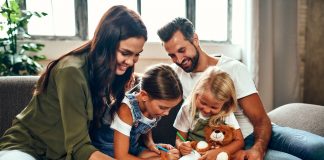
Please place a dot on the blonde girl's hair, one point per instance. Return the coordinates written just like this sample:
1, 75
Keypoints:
220, 84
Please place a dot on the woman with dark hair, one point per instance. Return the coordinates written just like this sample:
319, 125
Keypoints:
78, 93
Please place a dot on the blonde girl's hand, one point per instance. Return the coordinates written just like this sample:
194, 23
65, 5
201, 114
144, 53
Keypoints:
185, 148
173, 154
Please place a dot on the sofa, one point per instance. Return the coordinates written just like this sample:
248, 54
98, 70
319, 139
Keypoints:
16, 91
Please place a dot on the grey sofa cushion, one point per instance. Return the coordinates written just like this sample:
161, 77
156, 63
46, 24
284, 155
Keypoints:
15, 93
302, 116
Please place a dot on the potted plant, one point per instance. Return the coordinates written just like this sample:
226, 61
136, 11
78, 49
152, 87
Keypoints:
17, 55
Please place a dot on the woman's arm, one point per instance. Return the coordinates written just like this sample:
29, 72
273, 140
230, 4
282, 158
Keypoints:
97, 155
73, 96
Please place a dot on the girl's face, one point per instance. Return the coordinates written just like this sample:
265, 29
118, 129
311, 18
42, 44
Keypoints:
207, 104
158, 108
128, 53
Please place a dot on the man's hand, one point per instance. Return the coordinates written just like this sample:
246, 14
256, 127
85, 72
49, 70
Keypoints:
250, 154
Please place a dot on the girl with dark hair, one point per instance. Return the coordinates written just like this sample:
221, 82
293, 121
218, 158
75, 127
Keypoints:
159, 91
78, 93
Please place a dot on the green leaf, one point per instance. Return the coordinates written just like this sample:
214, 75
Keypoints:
38, 57
33, 47
12, 61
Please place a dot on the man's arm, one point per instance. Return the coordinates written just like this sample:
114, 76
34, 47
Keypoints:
253, 109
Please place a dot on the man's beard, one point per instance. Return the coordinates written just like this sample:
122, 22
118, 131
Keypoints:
194, 62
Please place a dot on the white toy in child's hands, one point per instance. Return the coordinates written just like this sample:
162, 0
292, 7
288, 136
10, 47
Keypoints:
194, 155
222, 156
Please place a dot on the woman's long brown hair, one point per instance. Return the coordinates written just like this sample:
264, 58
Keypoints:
118, 23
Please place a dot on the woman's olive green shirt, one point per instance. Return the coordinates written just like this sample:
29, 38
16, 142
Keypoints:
55, 123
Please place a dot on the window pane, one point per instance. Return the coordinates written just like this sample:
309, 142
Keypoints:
60, 20
211, 20
96, 8
155, 14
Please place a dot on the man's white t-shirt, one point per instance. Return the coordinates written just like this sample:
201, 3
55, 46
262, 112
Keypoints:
241, 77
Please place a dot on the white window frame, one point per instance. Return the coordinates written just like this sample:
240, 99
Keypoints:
81, 21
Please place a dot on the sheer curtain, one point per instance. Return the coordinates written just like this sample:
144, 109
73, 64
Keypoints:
278, 56
266, 30
246, 33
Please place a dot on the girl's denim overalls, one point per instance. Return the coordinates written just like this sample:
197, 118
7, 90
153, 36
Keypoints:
103, 138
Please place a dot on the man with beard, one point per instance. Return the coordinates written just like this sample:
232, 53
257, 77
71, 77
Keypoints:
182, 45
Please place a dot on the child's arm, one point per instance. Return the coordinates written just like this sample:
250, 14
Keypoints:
121, 141
236, 145
183, 146
148, 140
173, 153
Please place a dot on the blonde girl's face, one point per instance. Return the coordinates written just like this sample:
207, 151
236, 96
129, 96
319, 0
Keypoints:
207, 104
159, 107
128, 53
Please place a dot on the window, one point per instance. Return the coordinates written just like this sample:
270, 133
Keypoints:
157, 13
96, 8
53, 24
213, 27
79, 18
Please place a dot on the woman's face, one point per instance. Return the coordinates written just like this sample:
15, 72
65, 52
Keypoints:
128, 53
207, 104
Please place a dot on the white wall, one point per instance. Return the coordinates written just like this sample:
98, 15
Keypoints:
153, 52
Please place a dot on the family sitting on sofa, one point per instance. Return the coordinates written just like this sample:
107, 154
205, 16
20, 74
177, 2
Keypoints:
80, 108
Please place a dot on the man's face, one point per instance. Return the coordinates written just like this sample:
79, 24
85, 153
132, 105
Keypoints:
182, 52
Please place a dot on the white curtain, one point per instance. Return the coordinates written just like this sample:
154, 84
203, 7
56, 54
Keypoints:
266, 30
278, 57
246, 33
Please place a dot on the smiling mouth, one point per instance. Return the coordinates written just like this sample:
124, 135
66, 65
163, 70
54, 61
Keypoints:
123, 67
206, 114
185, 63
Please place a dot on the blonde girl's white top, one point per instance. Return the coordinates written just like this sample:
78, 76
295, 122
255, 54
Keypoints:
185, 120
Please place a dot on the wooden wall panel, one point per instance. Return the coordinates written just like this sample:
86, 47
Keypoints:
314, 53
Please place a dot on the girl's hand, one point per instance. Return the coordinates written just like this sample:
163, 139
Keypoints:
173, 154
185, 148
152, 147
217, 154
166, 146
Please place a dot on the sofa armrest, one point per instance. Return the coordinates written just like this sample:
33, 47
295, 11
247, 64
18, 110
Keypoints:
302, 116
15, 93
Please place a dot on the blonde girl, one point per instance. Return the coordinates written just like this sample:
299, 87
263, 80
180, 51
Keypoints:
212, 100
